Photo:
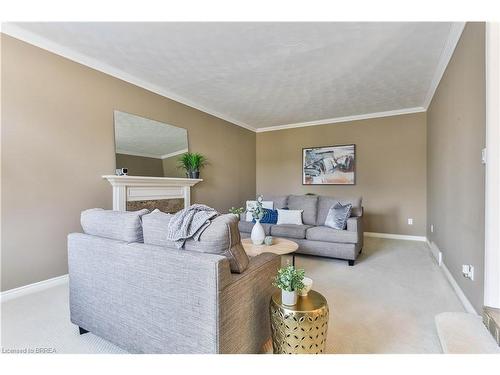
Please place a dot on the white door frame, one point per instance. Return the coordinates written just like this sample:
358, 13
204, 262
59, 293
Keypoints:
492, 193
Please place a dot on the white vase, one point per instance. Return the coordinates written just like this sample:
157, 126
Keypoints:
288, 298
258, 233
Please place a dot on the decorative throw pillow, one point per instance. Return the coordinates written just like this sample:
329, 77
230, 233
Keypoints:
338, 215
270, 217
289, 217
251, 204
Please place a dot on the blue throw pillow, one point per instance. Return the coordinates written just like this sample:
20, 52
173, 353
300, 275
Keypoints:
270, 217
338, 215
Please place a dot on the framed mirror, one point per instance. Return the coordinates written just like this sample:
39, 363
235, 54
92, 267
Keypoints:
147, 147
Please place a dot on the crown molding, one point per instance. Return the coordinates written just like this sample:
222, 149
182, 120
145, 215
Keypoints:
141, 154
175, 153
48, 45
451, 43
334, 120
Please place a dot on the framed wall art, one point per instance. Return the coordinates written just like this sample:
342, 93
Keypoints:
329, 165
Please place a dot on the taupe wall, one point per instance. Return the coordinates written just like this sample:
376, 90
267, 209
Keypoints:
58, 139
140, 165
455, 179
390, 167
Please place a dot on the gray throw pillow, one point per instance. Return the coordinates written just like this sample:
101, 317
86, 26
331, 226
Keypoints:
338, 215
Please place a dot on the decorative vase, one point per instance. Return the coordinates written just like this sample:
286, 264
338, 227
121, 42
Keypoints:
289, 298
258, 233
268, 240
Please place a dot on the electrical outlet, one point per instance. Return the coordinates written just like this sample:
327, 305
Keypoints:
468, 271
432, 228
410, 221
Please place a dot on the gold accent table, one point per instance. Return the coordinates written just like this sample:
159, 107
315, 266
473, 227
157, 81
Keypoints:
280, 246
302, 328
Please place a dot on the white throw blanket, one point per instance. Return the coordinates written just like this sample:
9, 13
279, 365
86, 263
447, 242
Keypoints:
189, 223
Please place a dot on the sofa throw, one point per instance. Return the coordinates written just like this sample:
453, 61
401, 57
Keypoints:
338, 215
189, 223
270, 217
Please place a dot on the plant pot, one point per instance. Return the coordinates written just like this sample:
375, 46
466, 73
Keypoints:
258, 233
193, 174
289, 298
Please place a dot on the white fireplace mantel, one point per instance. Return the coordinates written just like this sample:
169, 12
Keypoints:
139, 188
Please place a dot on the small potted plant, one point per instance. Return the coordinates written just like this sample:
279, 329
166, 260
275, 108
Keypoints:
192, 162
236, 211
290, 281
258, 234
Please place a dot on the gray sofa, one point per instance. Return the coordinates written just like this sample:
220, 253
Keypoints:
131, 286
313, 237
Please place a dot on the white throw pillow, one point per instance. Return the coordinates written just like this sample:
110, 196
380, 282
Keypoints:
290, 217
251, 204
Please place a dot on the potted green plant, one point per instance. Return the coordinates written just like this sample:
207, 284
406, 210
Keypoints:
236, 211
290, 281
258, 234
192, 162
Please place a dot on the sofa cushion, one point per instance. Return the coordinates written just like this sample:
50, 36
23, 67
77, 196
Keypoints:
270, 217
290, 230
246, 227
289, 217
308, 203
279, 202
327, 234
325, 203
338, 215
116, 225
155, 227
221, 237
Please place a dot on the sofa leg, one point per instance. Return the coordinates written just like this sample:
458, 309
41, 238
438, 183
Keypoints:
82, 331
351, 262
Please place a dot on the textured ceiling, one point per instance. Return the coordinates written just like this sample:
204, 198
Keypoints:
268, 74
135, 135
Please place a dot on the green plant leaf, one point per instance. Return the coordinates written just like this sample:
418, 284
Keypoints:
192, 161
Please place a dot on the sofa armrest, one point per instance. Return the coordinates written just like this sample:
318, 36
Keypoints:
244, 324
355, 224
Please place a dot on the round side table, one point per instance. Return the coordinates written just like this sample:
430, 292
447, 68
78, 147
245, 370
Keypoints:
280, 246
299, 329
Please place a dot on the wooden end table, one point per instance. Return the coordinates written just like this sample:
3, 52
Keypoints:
280, 246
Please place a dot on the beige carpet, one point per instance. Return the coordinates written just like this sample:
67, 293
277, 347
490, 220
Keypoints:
386, 303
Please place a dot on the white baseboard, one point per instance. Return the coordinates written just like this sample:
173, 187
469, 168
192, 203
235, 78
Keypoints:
395, 236
438, 255
32, 288
460, 294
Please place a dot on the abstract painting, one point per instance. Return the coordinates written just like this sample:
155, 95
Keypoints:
330, 165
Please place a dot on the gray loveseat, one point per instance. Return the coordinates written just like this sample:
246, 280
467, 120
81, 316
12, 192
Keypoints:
313, 237
131, 286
